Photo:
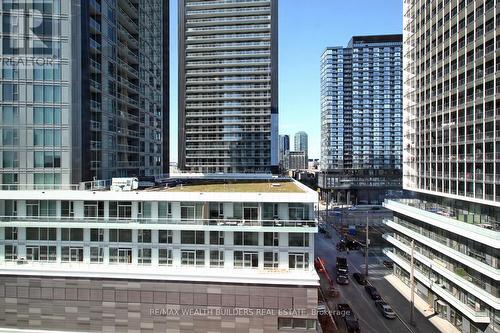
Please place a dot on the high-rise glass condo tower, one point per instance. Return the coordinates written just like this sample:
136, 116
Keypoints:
451, 161
284, 146
300, 142
228, 85
84, 90
361, 127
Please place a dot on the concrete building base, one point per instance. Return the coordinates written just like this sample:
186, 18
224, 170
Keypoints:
119, 305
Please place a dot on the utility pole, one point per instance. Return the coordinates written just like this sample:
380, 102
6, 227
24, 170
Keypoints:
412, 284
367, 240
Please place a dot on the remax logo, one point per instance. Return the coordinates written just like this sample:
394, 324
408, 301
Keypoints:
27, 27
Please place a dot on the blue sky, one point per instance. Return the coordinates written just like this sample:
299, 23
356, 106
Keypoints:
306, 27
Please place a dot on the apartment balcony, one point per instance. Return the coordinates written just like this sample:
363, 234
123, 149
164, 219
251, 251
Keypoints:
95, 27
128, 164
95, 125
95, 86
95, 65
95, 106
447, 296
228, 224
127, 148
208, 13
95, 145
130, 9
446, 218
444, 248
127, 21
95, 8
95, 46
439, 268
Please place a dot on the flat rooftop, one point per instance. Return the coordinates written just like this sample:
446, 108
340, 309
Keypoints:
234, 186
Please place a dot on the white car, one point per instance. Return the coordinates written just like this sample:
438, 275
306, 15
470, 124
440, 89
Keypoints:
385, 309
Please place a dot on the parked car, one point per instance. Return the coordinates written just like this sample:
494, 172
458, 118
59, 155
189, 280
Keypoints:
360, 278
372, 291
388, 263
351, 322
385, 309
321, 308
342, 279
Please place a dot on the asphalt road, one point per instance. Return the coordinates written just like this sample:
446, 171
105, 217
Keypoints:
370, 319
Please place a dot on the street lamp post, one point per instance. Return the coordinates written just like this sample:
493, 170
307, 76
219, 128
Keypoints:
367, 241
412, 284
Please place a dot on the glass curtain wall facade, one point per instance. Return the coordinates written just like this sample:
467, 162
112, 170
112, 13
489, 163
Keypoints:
228, 85
93, 106
361, 110
301, 142
451, 140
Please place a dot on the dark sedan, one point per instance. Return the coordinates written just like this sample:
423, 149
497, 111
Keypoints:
342, 279
360, 278
372, 291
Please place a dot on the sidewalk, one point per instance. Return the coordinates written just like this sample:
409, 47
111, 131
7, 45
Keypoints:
433, 321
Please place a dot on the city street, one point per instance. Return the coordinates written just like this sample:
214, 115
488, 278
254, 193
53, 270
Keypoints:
370, 319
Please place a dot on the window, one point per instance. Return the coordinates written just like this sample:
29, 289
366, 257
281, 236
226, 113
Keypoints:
67, 209
298, 260
271, 239
165, 257
164, 210
71, 254
191, 210
298, 211
41, 253
46, 116
10, 92
10, 159
46, 137
245, 259
216, 210
120, 209
10, 233
250, 211
296, 323
216, 258
217, 237
96, 254
144, 256
10, 252
41, 234
192, 257
46, 93
93, 209
46, 179
72, 234
10, 207
298, 239
165, 236
144, 210
10, 179
270, 211
271, 260
120, 255
47, 159
10, 137
192, 237
144, 236
96, 235
246, 238
120, 235
10, 115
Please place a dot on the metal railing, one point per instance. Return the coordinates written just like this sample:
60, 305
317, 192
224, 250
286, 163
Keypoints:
230, 222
